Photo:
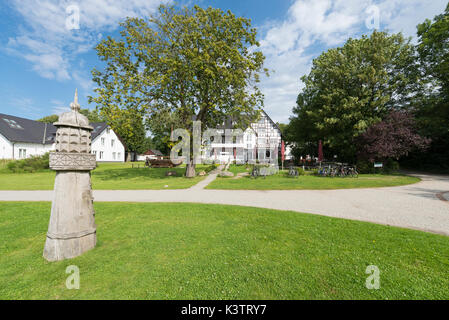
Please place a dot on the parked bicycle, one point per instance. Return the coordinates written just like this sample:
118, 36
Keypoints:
338, 170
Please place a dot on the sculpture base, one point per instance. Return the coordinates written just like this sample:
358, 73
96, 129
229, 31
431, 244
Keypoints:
60, 249
72, 229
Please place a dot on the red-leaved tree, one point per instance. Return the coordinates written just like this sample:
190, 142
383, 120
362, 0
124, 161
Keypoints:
393, 137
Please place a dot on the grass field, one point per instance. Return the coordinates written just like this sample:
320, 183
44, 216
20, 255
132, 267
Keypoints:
193, 251
282, 181
107, 176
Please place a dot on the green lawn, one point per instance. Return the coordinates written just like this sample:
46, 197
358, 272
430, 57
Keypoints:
282, 181
107, 176
235, 169
193, 251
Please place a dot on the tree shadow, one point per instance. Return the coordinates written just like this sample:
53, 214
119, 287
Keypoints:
426, 193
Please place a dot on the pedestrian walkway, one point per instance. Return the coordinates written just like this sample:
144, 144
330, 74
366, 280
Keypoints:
415, 206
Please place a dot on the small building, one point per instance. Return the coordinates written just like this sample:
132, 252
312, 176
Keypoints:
21, 138
151, 154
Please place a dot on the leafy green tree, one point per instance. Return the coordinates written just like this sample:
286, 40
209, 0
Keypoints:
92, 115
352, 87
185, 64
128, 123
432, 107
49, 119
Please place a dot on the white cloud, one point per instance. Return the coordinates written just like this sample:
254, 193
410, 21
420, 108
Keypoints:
25, 105
59, 107
312, 26
51, 48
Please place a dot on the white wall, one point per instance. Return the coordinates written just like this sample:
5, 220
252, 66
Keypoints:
107, 149
31, 149
5, 148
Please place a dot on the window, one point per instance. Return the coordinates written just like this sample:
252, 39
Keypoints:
102, 141
113, 156
108, 130
94, 152
112, 143
22, 153
96, 129
101, 155
12, 124
119, 155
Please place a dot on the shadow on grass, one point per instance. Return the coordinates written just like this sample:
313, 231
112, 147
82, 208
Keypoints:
133, 173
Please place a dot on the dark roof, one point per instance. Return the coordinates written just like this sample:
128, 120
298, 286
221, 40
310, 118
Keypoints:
99, 127
153, 152
17, 129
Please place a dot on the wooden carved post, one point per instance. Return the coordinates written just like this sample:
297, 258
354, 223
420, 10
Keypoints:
72, 229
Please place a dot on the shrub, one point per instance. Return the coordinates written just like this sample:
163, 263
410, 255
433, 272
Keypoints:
389, 166
31, 164
301, 172
4, 163
365, 166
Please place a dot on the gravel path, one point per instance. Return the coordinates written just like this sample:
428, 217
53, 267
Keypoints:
417, 206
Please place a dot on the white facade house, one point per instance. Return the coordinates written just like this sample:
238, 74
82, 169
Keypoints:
21, 138
106, 145
258, 142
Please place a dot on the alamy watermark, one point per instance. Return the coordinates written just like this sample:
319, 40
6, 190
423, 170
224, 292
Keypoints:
373, 281
72, 21
73, 280
373, 19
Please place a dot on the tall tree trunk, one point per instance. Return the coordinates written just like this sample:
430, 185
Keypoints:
190, 170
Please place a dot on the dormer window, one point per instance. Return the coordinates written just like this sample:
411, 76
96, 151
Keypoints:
13, 124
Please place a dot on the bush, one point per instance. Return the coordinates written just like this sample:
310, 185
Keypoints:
4, 163
364, 166
367, 167
31, 164
301, 172
391, 166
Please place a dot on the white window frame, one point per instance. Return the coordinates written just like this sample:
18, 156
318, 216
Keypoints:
22, 153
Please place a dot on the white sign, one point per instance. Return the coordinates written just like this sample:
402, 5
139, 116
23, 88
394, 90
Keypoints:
378, 165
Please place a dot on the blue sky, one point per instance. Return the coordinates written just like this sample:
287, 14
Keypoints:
42, 62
